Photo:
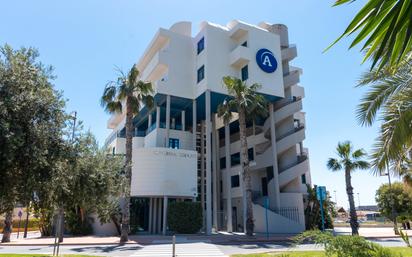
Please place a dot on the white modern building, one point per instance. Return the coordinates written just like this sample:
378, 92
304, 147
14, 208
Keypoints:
183, 151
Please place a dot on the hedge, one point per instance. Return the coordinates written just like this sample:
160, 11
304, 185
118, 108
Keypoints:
185, 217
33, 223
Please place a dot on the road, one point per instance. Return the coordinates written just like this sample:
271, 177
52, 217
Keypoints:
198, 249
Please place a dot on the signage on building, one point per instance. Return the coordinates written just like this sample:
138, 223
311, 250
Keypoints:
266, 60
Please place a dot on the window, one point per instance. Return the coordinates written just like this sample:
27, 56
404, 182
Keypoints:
244, 44
250, 154
234, 181
303, 178
245, 73
200, 45
235, 159
223, 163
200, 73
174, 143
114, 150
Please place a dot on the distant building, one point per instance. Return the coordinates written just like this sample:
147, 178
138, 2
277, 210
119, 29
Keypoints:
368, 208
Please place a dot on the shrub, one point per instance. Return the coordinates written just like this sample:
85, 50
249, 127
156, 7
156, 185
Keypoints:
33, 223
185, 217
344, 246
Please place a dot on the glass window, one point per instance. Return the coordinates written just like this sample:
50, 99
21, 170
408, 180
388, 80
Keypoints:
303, 178
200, 73
245, 73
200, 45
235, 159
174, 143
234, 181
223, 163
250, 154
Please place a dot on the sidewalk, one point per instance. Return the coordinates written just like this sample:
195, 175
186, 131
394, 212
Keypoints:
221, 238
218, 238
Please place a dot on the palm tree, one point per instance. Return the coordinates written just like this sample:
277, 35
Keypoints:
127, 94
244, 100
385, 27
389, 98
349, 160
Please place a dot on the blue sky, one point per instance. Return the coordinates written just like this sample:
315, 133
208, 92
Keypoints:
86, 40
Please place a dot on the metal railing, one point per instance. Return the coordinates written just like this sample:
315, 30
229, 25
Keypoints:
291, 213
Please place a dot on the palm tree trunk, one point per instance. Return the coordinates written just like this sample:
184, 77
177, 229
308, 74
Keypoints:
124, 237
352, 211
8, 222
246, 173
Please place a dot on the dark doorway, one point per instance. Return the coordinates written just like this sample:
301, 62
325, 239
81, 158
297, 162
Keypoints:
234, 219
139, 215
264, 186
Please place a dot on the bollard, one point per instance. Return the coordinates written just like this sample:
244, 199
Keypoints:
174, 247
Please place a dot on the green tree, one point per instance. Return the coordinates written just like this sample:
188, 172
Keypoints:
389, 98
395, 195
349, 160
32, 119
127, 95
312, 210
246, 101
385, 27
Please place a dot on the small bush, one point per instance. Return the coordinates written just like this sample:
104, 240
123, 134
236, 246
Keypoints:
185, 217
344, 246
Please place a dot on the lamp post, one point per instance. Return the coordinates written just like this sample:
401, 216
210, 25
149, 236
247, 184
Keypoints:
395, 225
358, 201
336, 201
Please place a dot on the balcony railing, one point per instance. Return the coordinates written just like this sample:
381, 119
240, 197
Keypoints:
294, 130
299, 159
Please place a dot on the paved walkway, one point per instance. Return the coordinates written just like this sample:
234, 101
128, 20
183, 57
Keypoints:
189, 249
221, 238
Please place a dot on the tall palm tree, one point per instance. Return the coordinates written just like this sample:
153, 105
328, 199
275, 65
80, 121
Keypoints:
389, 98
244, 100
385, 29
127, 94
349, 160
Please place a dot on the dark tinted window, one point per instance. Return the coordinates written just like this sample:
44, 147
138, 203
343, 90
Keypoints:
234, 181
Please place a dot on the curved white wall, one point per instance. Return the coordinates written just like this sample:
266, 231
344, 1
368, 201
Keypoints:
164, 171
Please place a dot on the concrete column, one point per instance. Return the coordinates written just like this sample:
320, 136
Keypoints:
149, 120
208, 166
194, 123
183, 120
159, 216
273, 184
154, 216
167, 120
164, 214
202, 172
157, 116
228, 180
215, 180
150, 214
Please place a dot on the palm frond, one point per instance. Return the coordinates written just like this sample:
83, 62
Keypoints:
385, 27
333, 164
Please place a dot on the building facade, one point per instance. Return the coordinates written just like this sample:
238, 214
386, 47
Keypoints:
183, 152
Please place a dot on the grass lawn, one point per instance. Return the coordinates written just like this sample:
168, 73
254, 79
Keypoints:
42, 255
406, 252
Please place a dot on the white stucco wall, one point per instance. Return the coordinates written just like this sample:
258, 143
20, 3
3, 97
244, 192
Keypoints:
163, 171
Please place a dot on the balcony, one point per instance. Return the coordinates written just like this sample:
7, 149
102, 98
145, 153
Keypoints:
240, 56
157, 66
301, 166
287, 109
289, 53
291, 78
289, 139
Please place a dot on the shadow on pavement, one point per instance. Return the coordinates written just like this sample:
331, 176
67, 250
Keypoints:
106, 249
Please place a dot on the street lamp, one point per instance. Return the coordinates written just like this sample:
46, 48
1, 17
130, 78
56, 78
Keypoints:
358, 201
395, 225
336, 201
